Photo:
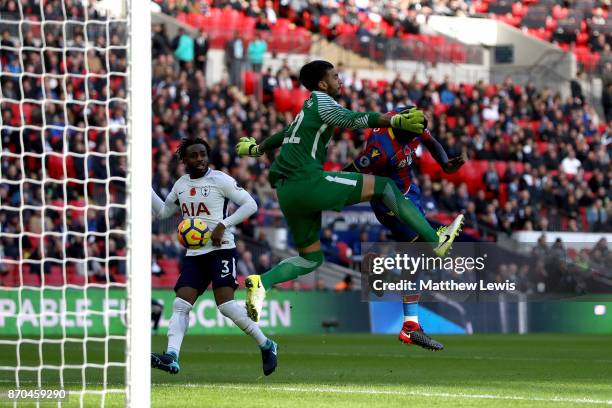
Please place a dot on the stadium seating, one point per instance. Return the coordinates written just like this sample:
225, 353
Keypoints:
544, 19
222, 24
290, 100
567, 26
170, 272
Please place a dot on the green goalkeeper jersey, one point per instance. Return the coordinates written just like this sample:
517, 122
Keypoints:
304, 148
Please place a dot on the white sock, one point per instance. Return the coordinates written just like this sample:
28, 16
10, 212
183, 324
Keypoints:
411, 319
237, 313
179, 323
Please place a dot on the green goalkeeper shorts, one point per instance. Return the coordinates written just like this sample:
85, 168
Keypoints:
302, 201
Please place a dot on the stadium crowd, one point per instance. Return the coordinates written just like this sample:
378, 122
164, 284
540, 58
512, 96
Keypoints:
367, 26
54, 129
571, 173
327, 16
559, 168
564, 161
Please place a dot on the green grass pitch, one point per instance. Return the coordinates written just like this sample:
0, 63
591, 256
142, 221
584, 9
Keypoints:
552, 370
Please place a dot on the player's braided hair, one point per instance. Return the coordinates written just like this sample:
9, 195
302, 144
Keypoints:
313, 72
186, 142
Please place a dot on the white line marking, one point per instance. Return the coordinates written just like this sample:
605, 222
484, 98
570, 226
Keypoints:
332, 390
335, 390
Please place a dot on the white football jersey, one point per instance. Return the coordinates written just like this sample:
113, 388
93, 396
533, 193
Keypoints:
208, 197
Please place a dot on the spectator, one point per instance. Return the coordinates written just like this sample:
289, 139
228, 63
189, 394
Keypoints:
491, 110
264, 191
570, 164
490, 217
257, 51
448, 198
463, 197
491, 178
234, 59
481, 202
245, 265
471, 218
262, 242
262, 23
269, 82
184, 47
284, 79
576, 87
364, 237
270, 12
606, 100
329, 245
160, 44
597, 216
201, 51
541, 249
264, 263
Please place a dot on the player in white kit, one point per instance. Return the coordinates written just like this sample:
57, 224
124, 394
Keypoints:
205, 193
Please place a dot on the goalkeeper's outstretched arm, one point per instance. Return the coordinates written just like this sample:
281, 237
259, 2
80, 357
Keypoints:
273, 142
247, 146
332, 114
161, 209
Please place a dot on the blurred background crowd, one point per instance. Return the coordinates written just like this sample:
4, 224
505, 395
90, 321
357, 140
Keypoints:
537, 161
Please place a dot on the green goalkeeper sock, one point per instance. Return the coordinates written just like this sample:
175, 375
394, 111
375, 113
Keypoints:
291, 268
386, 190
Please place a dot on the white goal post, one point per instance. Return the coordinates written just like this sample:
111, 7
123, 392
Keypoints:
139, 369
75, 218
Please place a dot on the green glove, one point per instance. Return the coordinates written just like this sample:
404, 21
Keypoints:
247, 146
412, 120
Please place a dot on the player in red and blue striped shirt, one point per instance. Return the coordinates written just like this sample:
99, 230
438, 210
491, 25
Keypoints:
390, 153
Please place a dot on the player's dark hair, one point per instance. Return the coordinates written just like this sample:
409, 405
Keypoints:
313, 72
186, 142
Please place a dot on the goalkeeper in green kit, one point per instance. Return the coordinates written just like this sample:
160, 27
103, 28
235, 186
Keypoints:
304, 190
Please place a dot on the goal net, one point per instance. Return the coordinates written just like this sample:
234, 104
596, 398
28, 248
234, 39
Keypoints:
73, 159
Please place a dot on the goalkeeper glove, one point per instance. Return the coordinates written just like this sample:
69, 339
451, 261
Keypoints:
412, 120
247, 146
